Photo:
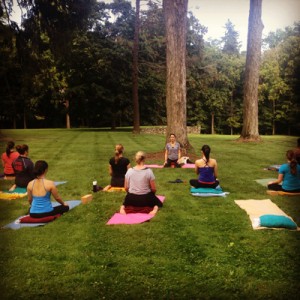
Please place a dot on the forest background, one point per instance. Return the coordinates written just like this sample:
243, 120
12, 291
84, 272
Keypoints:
74, 58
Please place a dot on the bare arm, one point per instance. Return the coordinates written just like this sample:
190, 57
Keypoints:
29, 194
56, 196
166, 155
126, 185
179, 153
216, 170
153, 186
279, 179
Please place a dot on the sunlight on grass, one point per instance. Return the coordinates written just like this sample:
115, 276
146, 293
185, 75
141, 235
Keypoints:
195, 248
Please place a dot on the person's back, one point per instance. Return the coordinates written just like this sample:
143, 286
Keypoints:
23, 167
291, 182
206, 170
41, 196
139, 181
119, 168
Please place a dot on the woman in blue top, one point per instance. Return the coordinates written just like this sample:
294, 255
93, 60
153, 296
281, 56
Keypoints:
288, 174
39, 193
207, 169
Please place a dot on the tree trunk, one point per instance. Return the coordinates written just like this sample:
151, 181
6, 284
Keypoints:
212, 123
175, 13
250, 111
135, 54
68, 122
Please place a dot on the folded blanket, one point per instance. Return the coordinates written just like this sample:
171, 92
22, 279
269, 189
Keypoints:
208, 192
19, 192
266, 214
17, 225
132, 218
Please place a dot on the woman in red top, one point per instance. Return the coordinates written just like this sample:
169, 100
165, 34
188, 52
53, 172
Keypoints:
7, 159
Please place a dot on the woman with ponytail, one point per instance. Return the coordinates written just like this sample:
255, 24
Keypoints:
207, 170
7, 159
118, 166
39, 193
288, 174
141, 189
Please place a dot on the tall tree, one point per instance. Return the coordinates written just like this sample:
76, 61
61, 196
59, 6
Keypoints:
175, 13
230, 39
135, 54
250, 100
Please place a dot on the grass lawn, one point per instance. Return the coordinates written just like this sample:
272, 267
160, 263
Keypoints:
194, 248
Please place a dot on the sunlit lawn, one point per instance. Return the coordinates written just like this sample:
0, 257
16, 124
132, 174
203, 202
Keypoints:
195, 248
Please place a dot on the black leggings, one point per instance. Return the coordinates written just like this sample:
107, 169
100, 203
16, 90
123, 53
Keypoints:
60, 209
170, 162
278, 187
196, 184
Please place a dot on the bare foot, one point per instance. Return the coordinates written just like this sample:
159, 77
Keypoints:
122, 210
154, 211
12, 188
106, 188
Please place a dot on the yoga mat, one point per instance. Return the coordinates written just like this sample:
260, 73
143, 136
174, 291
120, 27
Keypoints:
264, 182
257, 208
273, 168
17, 225
188, 166
19, 192
208, 192
154, 166
137, 218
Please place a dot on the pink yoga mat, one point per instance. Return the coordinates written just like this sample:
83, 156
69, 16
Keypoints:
154, 166
138, 218
188, 166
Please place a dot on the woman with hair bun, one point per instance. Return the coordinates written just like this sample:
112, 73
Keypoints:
288, 174
118, 166
23, 168
141, 189
7, 159
39, 193
207, 169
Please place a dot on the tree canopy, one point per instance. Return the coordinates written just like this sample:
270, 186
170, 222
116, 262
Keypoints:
75, 57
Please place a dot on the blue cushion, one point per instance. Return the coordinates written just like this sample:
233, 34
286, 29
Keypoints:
206, 190
276, 221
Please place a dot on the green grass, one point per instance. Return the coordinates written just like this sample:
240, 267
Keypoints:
195, 248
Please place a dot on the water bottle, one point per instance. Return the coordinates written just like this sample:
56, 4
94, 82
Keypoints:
94, 186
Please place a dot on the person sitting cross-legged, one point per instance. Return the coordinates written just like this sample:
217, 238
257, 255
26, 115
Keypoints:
39, 193
141, 189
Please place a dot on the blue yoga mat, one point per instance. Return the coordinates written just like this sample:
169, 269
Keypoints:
17, 225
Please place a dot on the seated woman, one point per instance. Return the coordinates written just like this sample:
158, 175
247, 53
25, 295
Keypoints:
140, 187
39, 193
7, 159
288, 174
207, 169
118, 166
172, 152
23, 168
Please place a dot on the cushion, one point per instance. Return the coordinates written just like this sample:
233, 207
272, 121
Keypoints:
28, 219
206, 190
276, 221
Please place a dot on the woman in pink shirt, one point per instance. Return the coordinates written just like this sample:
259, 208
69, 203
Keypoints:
7, 158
